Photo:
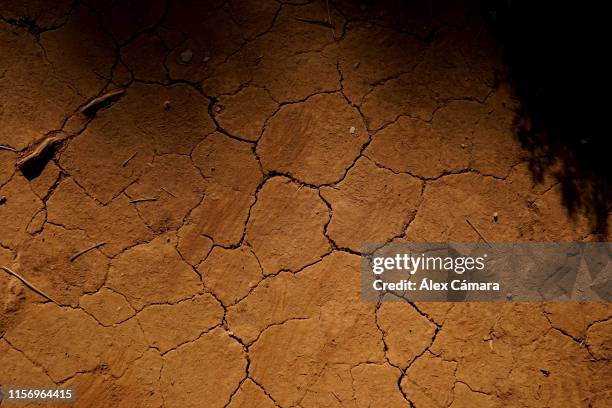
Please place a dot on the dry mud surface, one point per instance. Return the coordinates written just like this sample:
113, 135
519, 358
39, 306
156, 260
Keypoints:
256, 146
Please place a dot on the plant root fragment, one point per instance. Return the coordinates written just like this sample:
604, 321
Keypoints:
75, 256
164, 189
142, 200
28, 284
129, 159
478, 232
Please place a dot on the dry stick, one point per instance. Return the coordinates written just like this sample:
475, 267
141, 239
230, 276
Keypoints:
9, 148
316, 22
28, 284
128, 159
140, 200
162, 188
101, 99
478, 232
75, 256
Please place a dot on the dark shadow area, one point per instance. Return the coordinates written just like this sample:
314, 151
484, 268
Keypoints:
33, 164
554, 54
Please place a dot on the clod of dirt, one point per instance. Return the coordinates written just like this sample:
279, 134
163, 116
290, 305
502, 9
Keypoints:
308, 142
18, 211
55, 328
280, 229
167, 326
178, 187
230, 272
141, 271
106, 306
245, 113
233, 174
297, 70
357, 205
185, 384
186, 56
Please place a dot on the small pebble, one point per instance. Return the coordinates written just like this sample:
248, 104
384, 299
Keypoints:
495, 216
206, 57
509, 296
463, 145
218, 108
2, 200
166, 105
352, 130
186, 56
356, 65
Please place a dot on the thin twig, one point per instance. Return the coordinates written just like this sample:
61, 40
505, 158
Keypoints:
478, 232
329, 20
335, 396
128, 159
141, 200
75, 256
28, 284
9, 148
162, 188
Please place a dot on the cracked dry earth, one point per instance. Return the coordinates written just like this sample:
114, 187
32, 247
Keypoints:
255, 147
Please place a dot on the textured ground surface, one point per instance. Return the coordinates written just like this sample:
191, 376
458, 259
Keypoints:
274, 143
